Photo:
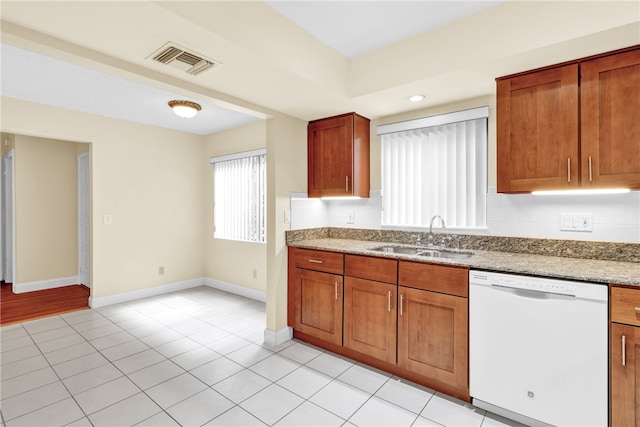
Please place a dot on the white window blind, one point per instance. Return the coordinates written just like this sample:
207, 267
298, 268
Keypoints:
239, 196
438, 169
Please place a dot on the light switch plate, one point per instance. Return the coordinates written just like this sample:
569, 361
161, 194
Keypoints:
576, 222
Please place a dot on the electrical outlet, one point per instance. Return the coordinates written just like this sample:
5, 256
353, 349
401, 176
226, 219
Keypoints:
106, 219
350, 216
161, 270
576, 222
255, 273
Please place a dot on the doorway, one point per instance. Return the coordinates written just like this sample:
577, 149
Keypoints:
8, 214
84, 229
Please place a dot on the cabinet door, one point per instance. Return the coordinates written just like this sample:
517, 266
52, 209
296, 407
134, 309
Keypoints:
610, 108
433, 337
370, 318
537, 131
625, 375
330, 157
317, 304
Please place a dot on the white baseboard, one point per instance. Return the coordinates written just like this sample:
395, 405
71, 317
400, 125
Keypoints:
236, 289
96, 302
39, 285
275, 338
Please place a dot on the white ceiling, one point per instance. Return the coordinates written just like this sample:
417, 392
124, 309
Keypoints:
352, 28
305, 59
34, 77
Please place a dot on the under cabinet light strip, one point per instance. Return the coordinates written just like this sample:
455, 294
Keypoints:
580, 192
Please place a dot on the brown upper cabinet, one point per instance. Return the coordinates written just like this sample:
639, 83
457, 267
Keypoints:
338, 156
576, 125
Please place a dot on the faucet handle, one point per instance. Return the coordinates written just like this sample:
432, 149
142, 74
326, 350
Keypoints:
455, 242
451, 241
430, 240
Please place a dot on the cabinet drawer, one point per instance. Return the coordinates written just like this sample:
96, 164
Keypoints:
330, 262
625, 306
372, 268
432, 277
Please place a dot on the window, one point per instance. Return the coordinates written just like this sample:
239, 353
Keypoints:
435, 166
239, 196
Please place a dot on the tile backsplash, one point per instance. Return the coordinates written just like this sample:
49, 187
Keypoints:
616, 217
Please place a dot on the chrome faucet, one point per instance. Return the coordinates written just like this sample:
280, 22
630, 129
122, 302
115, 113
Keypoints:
444, 227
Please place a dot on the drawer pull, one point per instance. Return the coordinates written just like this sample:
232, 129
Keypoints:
315, 261
624, 350
637, 309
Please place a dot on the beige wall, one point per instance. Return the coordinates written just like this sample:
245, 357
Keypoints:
285, 139
46, 209
156, 185
150, 180
227, 260
286, 173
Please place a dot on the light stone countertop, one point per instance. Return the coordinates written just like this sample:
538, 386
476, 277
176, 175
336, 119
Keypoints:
589, 270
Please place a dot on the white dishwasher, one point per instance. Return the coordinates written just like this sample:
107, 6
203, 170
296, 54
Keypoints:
538, 349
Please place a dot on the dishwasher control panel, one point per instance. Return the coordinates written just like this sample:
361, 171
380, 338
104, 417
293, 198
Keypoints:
537, 284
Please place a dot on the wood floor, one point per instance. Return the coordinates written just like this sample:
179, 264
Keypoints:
34, 305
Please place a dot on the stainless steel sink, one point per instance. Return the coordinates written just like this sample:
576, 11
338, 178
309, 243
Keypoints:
433, 253
449, 254
399, 250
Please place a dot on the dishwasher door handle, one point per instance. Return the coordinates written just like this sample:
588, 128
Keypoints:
531, 293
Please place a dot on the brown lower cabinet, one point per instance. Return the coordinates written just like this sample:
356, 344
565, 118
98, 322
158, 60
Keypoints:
433, 336
625, 356
315, 296
370, 318
407, 318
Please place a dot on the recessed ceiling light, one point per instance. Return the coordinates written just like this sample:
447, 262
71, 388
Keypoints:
416, 98
185, 109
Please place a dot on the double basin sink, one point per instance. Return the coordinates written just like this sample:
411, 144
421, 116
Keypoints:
426, 252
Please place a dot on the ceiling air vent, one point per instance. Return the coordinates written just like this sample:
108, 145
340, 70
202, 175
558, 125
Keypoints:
178, 57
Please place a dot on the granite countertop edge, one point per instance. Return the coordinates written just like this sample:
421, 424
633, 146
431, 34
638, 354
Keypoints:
588, 270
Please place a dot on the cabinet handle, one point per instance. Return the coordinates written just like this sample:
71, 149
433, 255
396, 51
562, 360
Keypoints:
624, 350
569, 169
590, 171
389, 301
315, 261
346, 183
401, 301
637, 309
337, 294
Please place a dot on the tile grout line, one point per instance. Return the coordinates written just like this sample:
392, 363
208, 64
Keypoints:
184, 309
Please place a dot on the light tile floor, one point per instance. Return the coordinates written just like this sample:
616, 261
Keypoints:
194, 358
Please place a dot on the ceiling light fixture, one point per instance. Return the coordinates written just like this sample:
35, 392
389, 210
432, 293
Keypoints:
416, 98
185, 109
